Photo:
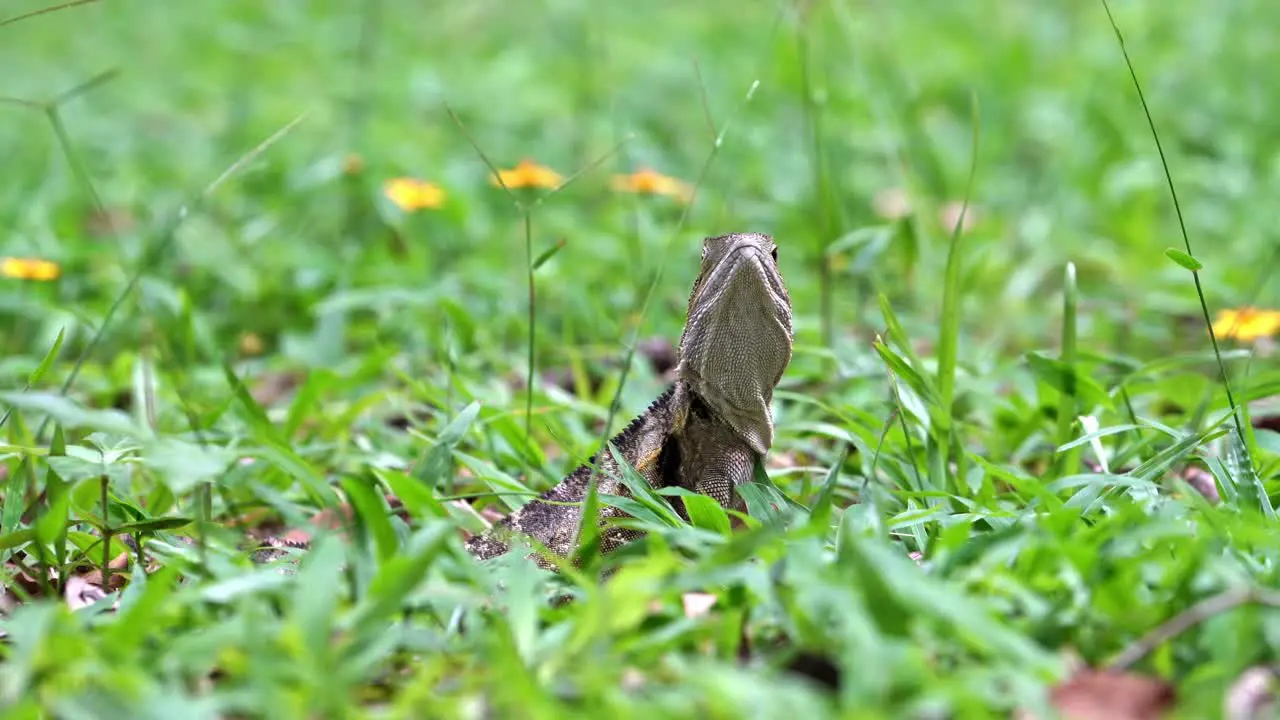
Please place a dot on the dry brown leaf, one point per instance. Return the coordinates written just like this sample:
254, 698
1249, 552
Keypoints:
80, 593
272, 387
660, 352
1202, 480
119, 562
109, 222
1104, 695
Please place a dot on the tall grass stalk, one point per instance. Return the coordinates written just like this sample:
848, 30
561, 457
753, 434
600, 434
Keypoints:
1182, 228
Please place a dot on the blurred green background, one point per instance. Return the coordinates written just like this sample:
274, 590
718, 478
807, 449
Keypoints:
853, 99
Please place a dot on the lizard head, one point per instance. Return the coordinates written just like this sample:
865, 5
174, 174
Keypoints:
737, 339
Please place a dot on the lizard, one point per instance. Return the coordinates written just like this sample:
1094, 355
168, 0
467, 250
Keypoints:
707, 429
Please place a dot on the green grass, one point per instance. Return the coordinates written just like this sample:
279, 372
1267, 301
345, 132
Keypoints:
930, 406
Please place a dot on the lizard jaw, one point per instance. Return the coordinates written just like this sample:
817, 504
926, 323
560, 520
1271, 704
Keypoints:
737, 340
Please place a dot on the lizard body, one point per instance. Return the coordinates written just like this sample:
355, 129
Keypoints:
705, 432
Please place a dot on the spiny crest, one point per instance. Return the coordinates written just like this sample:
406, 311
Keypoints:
633, 428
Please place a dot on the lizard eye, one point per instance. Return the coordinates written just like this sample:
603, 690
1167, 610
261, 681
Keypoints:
775, 254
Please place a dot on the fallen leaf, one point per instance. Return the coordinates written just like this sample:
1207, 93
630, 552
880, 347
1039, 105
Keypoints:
1103, 695
272, 387
660, 353
109, 222
1202, 480
119, 562
80, 593
1252, 696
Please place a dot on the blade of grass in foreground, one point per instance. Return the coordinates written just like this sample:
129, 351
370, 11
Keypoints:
949, 331
1068, 462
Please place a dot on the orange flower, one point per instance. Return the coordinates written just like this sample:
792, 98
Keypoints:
411, 194
649, 182
29, 269
1247, 323
527, 174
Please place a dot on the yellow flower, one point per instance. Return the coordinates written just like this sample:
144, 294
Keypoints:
250, 344
29, 269
1247, 323
527, 174
650, 182
411, 194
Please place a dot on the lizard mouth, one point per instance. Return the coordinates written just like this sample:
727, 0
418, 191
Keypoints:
748, 263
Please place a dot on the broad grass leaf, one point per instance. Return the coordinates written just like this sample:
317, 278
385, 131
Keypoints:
397, 577
704, 512
416, 497
587, 551
438, 463
820, 514
919, 594
236, 587
1157, 464
152, 525
51, 526
642, 491
513, 492
20, 476
306, 399
636, 509
34, 378
1069, 380
914, 380
72, 415
273, 447
1099, 433
145, 599
316, 595
763, 504
183, 465
1268, 440
373, 515
893, 329
890, 615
